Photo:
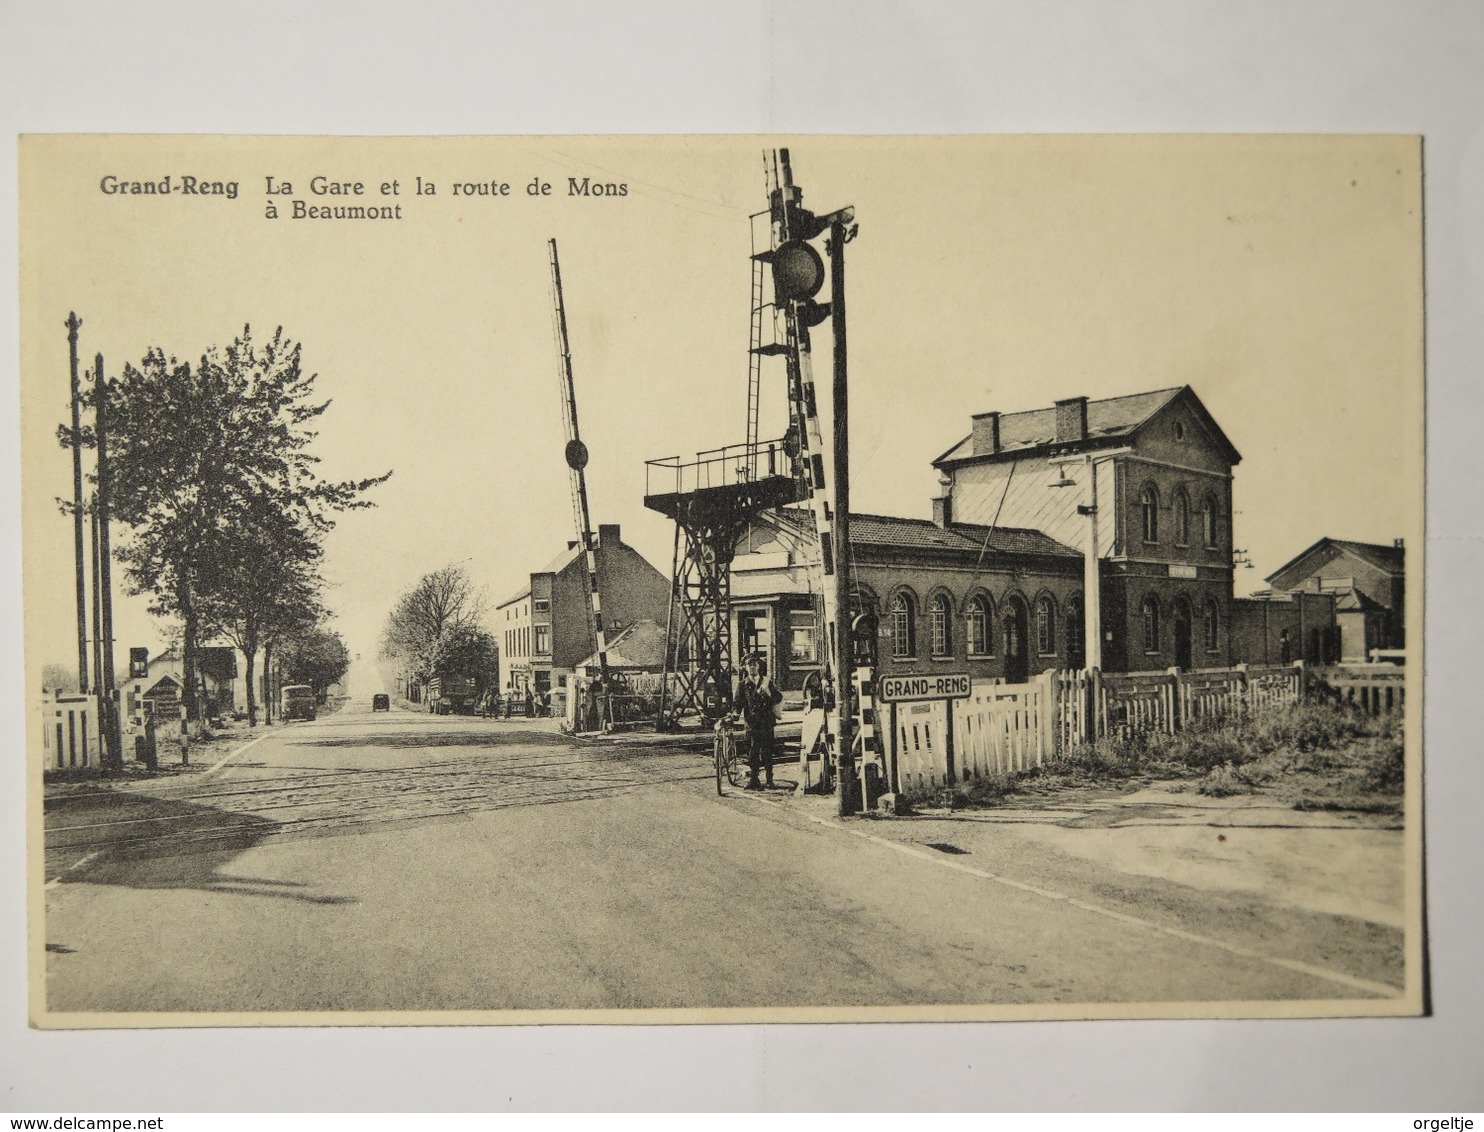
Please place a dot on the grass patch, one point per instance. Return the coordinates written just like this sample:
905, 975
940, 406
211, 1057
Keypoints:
1313, 756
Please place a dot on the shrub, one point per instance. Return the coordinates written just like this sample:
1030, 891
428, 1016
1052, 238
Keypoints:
1222, 782
1385, 766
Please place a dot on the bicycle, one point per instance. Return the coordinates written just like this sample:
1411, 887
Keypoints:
729, 750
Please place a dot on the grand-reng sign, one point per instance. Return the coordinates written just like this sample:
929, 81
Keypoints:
938, 686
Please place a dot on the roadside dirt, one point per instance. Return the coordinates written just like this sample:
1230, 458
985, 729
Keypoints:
1246, 869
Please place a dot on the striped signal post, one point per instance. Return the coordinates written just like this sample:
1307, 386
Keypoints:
868, 739
798, 275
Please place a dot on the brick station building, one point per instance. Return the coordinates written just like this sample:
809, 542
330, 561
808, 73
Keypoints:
993, 583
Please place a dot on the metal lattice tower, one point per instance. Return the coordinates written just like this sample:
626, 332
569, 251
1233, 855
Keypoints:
714, 498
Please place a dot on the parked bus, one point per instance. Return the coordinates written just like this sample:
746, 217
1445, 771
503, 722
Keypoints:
297, 702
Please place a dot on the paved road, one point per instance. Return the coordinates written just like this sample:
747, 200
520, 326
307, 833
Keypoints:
394, 861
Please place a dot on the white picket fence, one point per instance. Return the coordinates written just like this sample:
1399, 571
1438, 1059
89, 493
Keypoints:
69, 731
1007, 728
999, 729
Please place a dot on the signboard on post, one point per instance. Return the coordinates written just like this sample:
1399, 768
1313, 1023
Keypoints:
937, 686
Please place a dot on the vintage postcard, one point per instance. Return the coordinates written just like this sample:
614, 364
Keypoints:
696, 579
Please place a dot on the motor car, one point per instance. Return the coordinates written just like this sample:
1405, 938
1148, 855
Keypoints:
298, 702
381, 702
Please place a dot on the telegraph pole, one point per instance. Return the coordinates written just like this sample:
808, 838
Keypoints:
844, 646
97, 609
73, 322
105, 568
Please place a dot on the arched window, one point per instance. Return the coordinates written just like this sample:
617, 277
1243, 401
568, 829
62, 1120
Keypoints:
1182, 518
1151, 624
938, 621
1149, 513
978, 621
1208, 522
1045, 625
1076, 634
900, 620
1212, 627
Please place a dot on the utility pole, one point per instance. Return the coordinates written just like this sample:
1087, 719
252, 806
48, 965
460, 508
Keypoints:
105, 568
844, 646
1092, 589
73, 322
97, 610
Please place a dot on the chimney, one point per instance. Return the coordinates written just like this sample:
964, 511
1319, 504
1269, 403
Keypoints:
1071, 420
1398, 543
986, 438
608, 532
943, 504
943, 511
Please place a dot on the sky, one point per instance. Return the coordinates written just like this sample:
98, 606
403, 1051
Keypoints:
1279, 277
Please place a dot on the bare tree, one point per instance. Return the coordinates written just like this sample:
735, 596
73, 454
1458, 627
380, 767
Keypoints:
443, 606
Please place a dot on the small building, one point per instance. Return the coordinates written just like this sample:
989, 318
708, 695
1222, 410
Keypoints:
1368, 585
163, 679
1279, 628
545, 629
635, 650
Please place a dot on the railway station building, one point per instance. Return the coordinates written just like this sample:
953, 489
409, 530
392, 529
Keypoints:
993, 582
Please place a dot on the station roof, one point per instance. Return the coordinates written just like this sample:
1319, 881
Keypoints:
897, 533
1109, 420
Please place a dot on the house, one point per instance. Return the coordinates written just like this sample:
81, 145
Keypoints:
1152, 474
1368, 584
636, 649
162, 678
545, 629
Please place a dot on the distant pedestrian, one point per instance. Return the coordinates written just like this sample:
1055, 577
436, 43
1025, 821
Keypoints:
530, 704
757, 699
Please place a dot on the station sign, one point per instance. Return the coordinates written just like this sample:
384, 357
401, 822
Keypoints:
938, 686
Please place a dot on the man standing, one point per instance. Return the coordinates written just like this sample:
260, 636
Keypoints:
757, 698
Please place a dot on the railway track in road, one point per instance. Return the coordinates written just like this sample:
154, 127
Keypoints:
317, 802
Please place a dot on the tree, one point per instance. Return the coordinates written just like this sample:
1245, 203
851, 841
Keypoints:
428, 618
468, 650
203, 458
269, 589
319, 658
59, 678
